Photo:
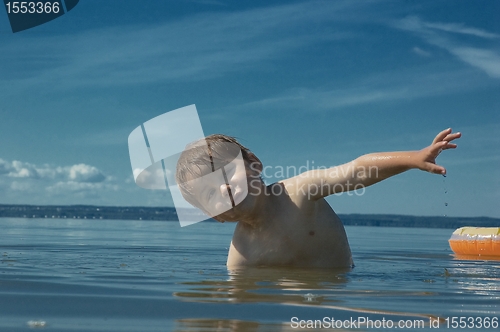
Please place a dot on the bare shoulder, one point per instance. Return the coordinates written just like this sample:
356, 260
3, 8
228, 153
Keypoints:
307, 186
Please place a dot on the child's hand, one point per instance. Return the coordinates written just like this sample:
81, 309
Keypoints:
426, 158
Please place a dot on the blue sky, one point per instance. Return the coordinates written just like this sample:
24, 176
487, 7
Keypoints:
295, 81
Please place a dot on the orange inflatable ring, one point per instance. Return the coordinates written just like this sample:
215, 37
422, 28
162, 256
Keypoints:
482, 241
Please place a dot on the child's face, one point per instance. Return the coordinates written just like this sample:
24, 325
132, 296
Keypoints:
221, 192
246, 177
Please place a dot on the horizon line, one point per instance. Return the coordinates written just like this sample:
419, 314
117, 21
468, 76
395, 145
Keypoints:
173, 208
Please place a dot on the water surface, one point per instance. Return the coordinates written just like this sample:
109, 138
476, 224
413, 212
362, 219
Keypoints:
115, 275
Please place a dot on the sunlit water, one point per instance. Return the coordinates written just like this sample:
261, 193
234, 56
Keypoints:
89, 275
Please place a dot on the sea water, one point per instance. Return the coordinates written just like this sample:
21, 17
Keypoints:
116, 275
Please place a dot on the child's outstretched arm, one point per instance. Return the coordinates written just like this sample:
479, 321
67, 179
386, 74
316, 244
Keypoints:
375, 167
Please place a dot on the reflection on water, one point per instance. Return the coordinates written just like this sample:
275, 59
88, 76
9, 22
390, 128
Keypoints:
226, 325
475, 258
325, 289
279, 285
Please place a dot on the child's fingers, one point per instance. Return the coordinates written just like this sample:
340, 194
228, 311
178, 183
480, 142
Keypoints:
439, 146
451, 137
436, 169
449, 146
441, 170
441, 135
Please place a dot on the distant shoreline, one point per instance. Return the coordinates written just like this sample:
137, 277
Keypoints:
169, 214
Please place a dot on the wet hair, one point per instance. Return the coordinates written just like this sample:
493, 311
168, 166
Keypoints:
213, 152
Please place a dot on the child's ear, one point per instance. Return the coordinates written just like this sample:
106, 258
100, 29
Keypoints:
255, 163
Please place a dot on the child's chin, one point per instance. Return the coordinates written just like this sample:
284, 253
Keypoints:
242, 209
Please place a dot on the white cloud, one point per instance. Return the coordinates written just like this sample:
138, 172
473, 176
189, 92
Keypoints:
75, 173
488, 60
195, 48
23, 170
421, 52
461, 29
34, 184
85, 173
401, 85
5, 167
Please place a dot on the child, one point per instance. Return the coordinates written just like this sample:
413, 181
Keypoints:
287, 223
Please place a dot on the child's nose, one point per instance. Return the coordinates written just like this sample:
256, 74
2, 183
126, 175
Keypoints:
227, 192
224, 190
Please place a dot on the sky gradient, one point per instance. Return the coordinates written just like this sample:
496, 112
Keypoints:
298, 82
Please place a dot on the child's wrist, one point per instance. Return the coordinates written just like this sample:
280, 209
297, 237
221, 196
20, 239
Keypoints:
413, 160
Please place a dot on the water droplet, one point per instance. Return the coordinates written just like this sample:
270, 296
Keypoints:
309, 297
445, 190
